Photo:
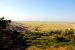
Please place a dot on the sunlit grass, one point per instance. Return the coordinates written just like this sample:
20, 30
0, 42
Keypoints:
46, 26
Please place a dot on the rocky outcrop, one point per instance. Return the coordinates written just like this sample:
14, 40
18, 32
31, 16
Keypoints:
17, 27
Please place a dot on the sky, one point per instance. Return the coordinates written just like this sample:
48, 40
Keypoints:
38, 10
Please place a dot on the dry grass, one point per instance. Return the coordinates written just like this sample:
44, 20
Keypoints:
49, 48
46, 26
33, 48
53, 48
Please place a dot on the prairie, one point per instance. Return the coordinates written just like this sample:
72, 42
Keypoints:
37, 35
41, 36
47, 26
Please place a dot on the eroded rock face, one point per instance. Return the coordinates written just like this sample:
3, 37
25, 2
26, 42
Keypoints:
19, 28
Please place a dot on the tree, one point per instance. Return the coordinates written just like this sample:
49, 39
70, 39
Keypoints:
10, 39
4, 23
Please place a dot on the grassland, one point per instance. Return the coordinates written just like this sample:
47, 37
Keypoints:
50, 35
36, 35
47, 26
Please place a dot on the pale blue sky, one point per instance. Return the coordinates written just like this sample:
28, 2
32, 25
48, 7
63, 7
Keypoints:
38, 10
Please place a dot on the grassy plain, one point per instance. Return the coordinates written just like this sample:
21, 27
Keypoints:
47, 39
47, 26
